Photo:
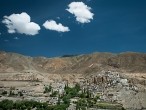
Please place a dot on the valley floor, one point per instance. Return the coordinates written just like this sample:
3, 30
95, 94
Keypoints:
105, 90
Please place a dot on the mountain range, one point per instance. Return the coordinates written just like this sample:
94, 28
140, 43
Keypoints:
83, 64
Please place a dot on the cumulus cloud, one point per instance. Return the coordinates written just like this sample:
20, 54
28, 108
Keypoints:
52, 25
21, 23
81, 11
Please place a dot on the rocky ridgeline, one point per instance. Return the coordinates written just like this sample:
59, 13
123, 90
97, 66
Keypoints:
84, 64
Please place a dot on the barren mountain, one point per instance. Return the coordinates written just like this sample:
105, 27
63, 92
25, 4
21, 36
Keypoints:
84, 64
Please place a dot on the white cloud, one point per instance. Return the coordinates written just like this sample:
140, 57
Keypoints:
21, 23
81, 11
52, 25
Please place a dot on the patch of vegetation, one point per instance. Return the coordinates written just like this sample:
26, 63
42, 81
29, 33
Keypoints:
72, 92
29, 105
4, 93
105, 105
6, 105
12, 93
20, 94
48, 89
54, 94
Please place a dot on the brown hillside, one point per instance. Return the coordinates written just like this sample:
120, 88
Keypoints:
90, 63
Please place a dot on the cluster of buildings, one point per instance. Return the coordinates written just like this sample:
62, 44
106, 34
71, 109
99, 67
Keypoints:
105, 85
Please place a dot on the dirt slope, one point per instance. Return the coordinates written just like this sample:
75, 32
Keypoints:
90, 63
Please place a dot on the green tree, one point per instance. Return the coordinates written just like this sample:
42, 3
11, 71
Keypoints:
54, 94
48, 89
4, 93
77, 87
6, 105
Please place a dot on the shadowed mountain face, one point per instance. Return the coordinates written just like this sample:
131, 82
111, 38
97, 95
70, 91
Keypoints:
83, 64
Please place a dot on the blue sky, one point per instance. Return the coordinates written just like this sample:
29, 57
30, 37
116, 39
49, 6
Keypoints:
117, 26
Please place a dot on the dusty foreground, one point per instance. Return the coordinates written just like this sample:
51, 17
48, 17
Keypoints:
113, 87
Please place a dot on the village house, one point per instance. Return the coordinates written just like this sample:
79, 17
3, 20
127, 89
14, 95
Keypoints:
53, 100
74, 100
72, 107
